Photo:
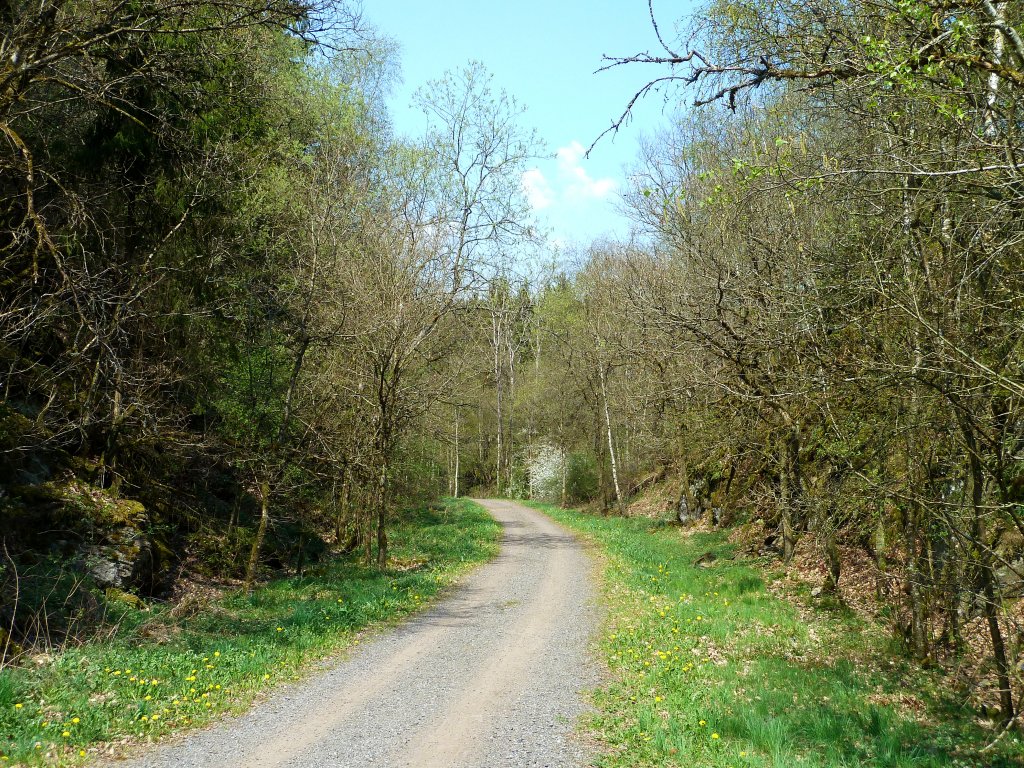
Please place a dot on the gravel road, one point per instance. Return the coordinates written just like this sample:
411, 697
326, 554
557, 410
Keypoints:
491, 676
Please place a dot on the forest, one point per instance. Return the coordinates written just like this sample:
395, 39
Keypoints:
244, 326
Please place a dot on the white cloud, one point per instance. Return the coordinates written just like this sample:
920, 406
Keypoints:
538, 190
573, 177
567, 200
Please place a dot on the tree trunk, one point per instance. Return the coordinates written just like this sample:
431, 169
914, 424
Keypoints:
611, 444
455, 483
990, 599
261, 532
919, 635
687, 492
565, 476
498, 393
510, 434
786, 506
998, 44
382, 514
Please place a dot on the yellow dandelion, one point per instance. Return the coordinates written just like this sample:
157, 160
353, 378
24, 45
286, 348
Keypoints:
65, 734
75, 720
19, 705
714, 735
81, 753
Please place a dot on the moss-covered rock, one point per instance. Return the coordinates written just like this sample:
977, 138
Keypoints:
115, 595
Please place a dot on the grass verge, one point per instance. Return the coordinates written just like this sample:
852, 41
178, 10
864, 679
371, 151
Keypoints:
162, 674
711, 668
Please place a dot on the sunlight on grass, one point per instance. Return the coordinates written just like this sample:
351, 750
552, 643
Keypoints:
221, 658
713, 670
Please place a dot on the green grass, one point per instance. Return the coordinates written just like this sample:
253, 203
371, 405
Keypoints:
162, 674
711, 668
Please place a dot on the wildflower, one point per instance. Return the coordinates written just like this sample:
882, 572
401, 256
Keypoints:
18, 705
81, 753
657, 699
280, 629
703, 723
65, 734
714, 735
216, 653
75, 720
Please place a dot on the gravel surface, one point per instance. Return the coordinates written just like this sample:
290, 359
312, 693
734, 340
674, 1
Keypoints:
492, 676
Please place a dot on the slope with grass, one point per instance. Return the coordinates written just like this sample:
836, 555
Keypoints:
713, 667
162, 672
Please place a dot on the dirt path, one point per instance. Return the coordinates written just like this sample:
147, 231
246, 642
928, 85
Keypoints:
490, 677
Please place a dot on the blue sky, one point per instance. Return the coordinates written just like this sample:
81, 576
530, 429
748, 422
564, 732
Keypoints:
544, 52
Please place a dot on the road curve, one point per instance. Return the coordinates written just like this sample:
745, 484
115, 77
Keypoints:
491, 676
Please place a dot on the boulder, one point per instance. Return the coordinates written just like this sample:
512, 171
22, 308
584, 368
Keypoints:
124, 564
